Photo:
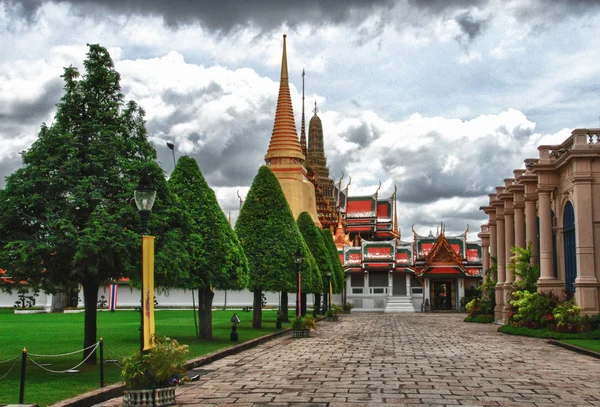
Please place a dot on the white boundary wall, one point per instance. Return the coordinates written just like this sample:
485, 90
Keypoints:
130, 297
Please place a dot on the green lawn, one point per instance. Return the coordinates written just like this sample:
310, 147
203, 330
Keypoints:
589, 344
51, 334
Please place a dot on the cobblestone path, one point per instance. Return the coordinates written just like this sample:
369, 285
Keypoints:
399, 360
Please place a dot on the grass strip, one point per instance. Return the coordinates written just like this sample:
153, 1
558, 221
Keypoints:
57, 333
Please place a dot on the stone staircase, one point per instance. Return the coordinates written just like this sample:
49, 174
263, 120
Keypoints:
399, 304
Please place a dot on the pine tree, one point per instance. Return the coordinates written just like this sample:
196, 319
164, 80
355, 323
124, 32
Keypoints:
68, 213
270, 238
217, 256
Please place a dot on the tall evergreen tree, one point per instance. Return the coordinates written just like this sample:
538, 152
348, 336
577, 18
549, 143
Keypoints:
338, 277
270, 238
218, 258
313, 238
70, 215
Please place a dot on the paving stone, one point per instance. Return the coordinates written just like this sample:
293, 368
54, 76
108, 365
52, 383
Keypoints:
398, 360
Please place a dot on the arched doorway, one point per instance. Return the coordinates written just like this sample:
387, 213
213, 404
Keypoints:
569, 246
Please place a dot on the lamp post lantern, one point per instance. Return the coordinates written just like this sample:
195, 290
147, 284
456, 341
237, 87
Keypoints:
298, 256
172, 148
144, 195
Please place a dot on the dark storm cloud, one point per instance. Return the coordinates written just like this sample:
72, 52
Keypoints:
470, 26
33, 110
224, 15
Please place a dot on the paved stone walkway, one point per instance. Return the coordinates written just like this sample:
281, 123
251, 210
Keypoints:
399, 360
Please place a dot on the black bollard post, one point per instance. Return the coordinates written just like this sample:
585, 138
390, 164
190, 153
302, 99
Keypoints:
23, 366
278, 322
101, 363
234, 335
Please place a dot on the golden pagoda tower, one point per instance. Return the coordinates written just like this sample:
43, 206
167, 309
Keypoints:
284, 156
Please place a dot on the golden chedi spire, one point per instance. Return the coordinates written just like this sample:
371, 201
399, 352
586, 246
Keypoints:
284, 156
284, 139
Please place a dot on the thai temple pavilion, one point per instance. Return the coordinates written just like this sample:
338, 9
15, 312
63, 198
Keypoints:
551, 204
383, 272
391, 275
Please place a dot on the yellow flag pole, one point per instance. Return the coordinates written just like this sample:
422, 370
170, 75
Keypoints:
148, 290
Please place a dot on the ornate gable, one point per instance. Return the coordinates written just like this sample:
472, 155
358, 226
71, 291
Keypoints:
443, 252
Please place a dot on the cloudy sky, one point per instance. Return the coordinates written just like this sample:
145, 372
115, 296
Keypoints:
442, 98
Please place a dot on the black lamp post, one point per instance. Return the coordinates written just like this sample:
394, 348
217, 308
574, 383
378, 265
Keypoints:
144, 195
172, 148
327, 292
298, 256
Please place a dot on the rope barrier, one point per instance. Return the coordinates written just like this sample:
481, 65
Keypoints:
10, 360
9, 370
64, 354
66, 370
111, 353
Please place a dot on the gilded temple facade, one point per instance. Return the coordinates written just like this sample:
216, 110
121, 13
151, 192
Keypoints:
553, 204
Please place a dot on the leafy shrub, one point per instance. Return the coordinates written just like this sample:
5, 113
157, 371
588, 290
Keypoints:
297, 322
309, 323
594, 322
479, 306
157, 366
532, 310
567, 317
348, 306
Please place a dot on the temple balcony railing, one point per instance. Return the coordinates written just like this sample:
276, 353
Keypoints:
580, 139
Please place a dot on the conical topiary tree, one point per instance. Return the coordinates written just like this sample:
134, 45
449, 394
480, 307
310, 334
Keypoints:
270, 238
218, 260
313, 238
339, 277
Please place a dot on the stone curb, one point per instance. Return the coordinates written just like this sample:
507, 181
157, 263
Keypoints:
575, 348
116, 390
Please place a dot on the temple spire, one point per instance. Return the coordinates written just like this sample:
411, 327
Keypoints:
284, 146
303, 126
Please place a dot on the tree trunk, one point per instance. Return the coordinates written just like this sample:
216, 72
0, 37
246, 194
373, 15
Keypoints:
284, 307
325, 303
257, 309
317, 303
303, 305
90, 301
205, 299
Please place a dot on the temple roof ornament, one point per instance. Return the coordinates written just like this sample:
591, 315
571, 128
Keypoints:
303, 145
284, 139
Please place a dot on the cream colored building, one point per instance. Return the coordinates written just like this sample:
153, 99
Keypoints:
554, 204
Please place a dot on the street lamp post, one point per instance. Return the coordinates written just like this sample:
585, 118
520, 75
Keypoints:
298, 256
144, 195
329, 288
327, 299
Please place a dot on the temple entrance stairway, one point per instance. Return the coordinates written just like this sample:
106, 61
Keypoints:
397, 304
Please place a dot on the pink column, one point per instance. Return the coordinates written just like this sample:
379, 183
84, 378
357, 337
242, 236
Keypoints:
531, 232
586, 283
500, 255
546, 252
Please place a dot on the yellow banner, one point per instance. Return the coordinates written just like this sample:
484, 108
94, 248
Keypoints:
148, 289
330, 294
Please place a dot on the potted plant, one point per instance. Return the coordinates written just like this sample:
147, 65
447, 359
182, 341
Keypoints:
297, 324
308, 324
331, 315
348, 307
150, 376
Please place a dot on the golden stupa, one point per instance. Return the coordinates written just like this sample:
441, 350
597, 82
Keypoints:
284, 156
